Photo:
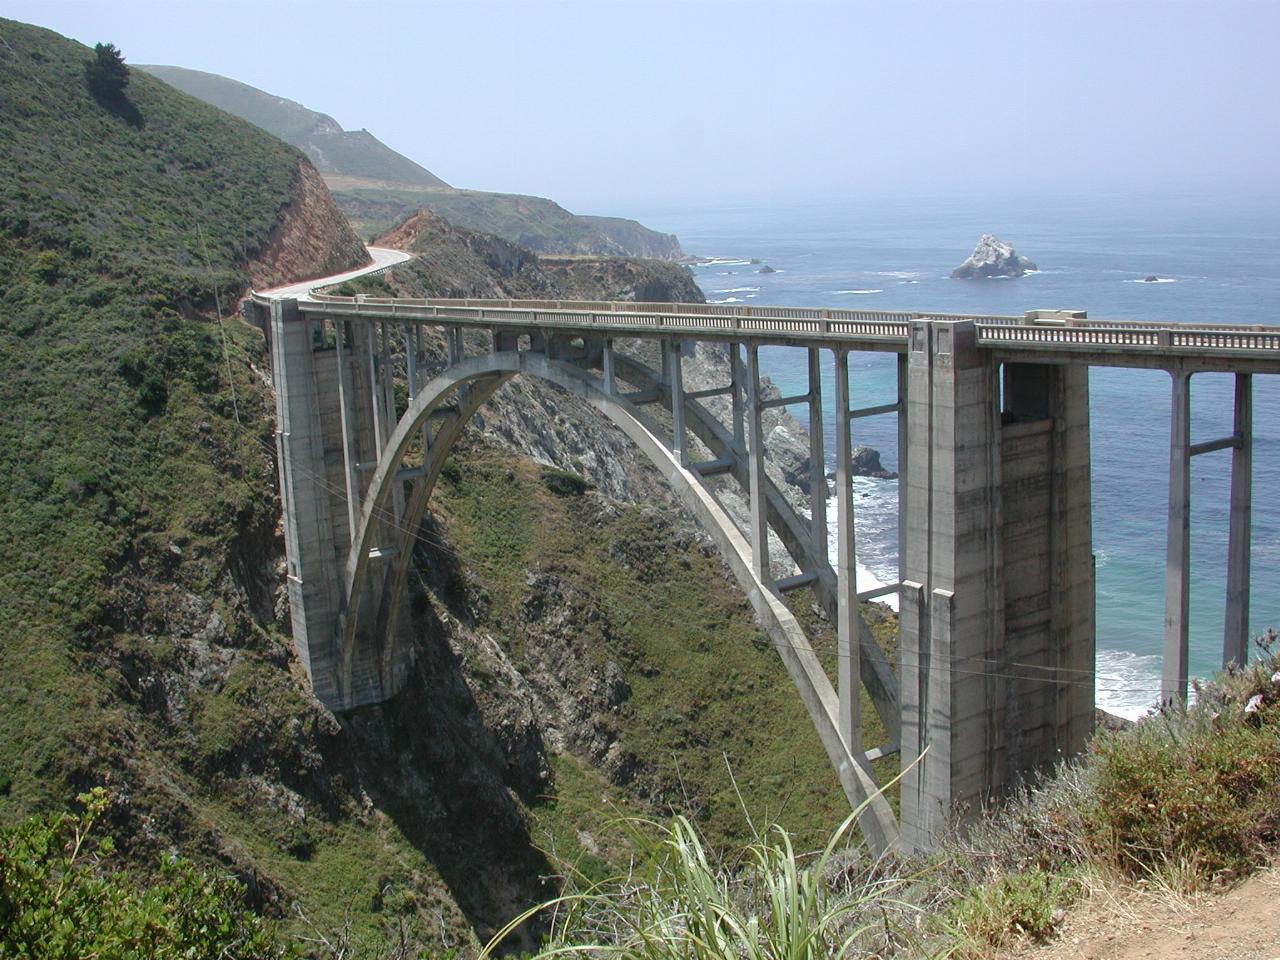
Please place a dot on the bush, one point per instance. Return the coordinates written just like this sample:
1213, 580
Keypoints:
1194, 792
563, 483
59, 900
1016, 906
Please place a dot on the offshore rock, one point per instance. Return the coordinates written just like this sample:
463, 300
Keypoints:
992, 257
865, 462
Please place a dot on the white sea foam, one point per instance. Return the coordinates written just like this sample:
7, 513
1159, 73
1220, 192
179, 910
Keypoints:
723, 262
738, 290
1156, 280
897, 274
727, 300
875, 509
1127, 684
858, 292
908, 281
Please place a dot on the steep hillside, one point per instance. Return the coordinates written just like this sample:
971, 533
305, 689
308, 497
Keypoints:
377, 187
576, 646
334, 151
541, 225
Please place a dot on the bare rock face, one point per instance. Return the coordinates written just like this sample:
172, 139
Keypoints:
992, 257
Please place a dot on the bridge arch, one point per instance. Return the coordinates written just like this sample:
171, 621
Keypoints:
463, 388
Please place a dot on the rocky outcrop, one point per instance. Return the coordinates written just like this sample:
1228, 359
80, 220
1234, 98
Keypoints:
636, 240
310, 239
621, 278
866, 463
992, 257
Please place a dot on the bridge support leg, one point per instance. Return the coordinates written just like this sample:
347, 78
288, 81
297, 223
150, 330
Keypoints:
756, 474
346, 394
1235, 639
610, 377
736, 395
1177, 582
817, 458
679, 436
848, 659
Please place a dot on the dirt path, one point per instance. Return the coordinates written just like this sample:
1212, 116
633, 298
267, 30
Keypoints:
1243, 923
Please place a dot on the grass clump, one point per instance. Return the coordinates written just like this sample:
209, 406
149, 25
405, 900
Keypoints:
686, 903
1027, 905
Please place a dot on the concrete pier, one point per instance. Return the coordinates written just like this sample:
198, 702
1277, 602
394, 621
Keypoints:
997, 626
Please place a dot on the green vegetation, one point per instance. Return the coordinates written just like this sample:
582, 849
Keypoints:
120, 450
1121, 813
1184, 801
60, 900
709, 701
535, 223
683, 902
377, 187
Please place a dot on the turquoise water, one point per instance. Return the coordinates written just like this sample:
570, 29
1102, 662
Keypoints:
1220, 263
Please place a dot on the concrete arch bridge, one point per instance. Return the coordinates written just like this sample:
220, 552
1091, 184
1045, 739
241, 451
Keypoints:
996, 586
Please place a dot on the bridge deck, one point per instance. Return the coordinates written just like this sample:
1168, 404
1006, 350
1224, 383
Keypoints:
1040, 336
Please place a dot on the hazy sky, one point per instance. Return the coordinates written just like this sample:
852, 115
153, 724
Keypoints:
611, 105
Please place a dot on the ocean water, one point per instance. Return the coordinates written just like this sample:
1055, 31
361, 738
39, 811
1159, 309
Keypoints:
1218, 262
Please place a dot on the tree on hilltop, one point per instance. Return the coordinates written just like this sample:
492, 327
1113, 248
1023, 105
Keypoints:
106, 73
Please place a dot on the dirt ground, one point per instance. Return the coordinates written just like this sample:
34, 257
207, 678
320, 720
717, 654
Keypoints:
1242, 923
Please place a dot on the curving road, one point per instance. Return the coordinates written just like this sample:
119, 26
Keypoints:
383, 259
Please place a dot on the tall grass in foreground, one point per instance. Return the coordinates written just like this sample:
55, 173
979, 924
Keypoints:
1186, 800
685, 903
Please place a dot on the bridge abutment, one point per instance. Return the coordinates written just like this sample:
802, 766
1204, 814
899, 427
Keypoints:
335, 411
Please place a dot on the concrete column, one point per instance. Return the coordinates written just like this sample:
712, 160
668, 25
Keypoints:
1235, 638
755, 452
456, 349
952, 552
817, 458
848, 660
349, 457
610, 380
1177, 565
386, 371
412, 349
735, 393
903, 447
679, 436
913, 697
375, 391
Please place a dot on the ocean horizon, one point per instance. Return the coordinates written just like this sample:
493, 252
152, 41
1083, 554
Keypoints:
1216, 261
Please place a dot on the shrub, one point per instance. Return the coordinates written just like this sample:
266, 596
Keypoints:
58, 899
563, 483
1016, 906
1195, 791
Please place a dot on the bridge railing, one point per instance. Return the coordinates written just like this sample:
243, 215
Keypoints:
637, 317
1062, 330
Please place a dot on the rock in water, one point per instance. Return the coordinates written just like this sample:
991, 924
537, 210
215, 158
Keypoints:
865, 462
992, 257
